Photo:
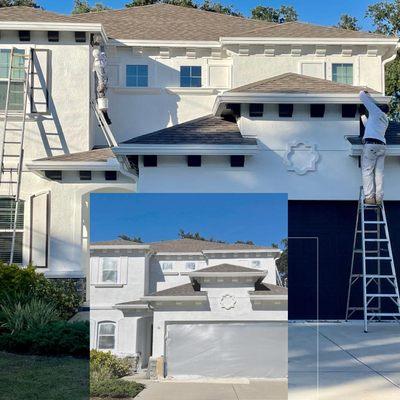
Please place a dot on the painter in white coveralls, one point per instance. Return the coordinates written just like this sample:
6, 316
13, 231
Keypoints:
374, 150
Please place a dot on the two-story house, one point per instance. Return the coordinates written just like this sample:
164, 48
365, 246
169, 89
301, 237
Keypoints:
199, 102
184, 300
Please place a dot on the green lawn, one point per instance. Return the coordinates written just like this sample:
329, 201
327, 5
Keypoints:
43, 378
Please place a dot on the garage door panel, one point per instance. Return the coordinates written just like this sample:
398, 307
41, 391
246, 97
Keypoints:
226, 350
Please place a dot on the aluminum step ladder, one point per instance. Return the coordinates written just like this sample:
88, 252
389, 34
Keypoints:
12, 139
377, 273
111, 141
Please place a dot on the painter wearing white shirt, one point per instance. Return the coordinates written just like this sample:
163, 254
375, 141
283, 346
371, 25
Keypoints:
374, 151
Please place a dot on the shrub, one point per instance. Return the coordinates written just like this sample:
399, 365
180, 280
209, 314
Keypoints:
104, 365
21, 284
34, 314
115, 388
55, 339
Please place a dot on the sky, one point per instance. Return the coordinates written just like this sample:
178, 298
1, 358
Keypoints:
261, 218
314, 11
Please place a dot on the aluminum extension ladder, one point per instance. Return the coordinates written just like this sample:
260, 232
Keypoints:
111, 141
378, 274
12, 139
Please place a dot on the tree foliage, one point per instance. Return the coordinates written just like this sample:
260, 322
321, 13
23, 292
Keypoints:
83, 6
282, 262
136, 239
219, 8
278, 15
348, 22
11, 3
196, 236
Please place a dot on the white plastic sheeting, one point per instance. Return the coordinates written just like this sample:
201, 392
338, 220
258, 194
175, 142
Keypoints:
227, 350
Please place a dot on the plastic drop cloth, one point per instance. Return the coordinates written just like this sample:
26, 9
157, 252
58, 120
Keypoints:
227, 350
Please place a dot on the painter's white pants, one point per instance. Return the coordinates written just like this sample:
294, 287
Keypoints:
372, 165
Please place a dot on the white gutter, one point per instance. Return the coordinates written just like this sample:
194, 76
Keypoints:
243, 251
175, 298
200, 274
291, 98
185, 149
53, 26
110, 165
308, 41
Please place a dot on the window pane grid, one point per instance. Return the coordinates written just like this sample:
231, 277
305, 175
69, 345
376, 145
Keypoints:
342, 73
7, 210
109, 270
106, 335
137, 76
190, 76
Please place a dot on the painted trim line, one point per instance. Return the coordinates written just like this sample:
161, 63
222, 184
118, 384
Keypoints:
175, 298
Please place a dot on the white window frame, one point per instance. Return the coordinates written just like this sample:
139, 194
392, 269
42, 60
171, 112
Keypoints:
344, 63
255, 262
126, 76
118, 270
99, 325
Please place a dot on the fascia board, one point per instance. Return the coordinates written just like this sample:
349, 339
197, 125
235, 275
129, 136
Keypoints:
267, 297
73, 166
164, 43
193, 149
176, 253
309, 41
174, 298
200, 274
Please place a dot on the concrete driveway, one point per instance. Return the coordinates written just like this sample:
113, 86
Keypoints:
252, 390
331, 361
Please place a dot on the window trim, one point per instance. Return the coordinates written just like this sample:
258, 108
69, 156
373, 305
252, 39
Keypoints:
343, 64
137, 76
169, 269
118, 270
190, 262
191, 76
99, 324
256, 113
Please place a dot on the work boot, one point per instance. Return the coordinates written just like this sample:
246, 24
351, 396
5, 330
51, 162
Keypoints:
370, 200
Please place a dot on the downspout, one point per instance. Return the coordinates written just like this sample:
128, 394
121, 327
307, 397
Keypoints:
390, 59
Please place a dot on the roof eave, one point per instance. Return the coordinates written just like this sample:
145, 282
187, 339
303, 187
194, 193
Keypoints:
292, 98
269, 297
120, 247
109, 165
185, 149
54, 26
131, 307
165, 43
199, 274
175, 298
266, 250
307, 41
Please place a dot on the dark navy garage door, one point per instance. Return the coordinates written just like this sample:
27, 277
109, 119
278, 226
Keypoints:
319, 271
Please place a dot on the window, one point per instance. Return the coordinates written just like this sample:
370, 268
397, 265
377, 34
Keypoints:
109, 269
349, 110
256, 263
191, 76
106, 335
167, 266
256, 110
7, 209
149, 161
237, 161
190, 265
110, 175
342, 73
17, 88
194, 161
137, 76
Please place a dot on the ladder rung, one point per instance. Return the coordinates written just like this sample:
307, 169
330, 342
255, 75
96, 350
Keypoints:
375, 222
382, 295
368, 231
11, 155
362, 308
376, 240
383, 314
366, 251
378, 258
8, 182
9, 169
11, 142
379, 276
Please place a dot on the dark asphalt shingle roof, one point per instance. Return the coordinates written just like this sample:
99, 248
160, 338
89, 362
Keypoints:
99, 155
30, 14
227, 268
181, 290
117, 242
266, 289
205, 130
392, 135
297, 83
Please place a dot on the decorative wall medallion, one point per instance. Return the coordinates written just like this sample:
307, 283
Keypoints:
301, 157
228, 301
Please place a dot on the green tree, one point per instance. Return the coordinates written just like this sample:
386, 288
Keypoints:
136, 239
219, 8
282, 262
250, 242
182, 3
271, 14
11, 3
136, 3
348, 22
386, 18
82, 6
196, 236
